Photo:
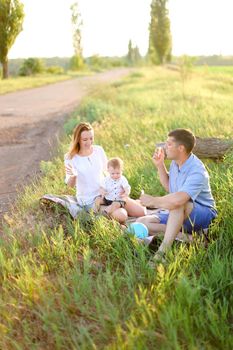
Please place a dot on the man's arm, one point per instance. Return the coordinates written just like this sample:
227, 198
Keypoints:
158, 160
170, 201
164, 177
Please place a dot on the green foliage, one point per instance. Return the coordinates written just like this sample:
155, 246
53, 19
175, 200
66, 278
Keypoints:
160, 43
98, 63
31, 66
76, 63
11, 21
84, 284
55, 70
133, 56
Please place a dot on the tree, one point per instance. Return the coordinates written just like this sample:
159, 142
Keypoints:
31, 66
77, 59
11, 24
160, 42
133, 55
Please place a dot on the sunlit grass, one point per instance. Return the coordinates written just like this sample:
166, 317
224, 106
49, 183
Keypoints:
19, 83
83, 284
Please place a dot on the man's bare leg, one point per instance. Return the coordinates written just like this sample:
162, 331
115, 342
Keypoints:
174, 223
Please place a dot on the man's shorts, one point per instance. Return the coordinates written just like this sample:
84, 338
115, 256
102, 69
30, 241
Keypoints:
199, 218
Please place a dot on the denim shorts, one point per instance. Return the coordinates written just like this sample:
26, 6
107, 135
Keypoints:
199, 218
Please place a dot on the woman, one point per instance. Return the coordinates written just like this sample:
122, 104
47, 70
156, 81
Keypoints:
85, 165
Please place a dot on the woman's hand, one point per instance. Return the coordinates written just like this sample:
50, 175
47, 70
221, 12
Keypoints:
70, 171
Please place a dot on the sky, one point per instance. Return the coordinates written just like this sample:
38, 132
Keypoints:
199, 27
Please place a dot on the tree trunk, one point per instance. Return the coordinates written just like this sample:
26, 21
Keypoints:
5, 69
212, 147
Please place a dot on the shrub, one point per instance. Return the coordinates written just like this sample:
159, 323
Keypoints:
55, 70
76, 63
31, 66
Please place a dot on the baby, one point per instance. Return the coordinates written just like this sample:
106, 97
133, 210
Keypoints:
114, 187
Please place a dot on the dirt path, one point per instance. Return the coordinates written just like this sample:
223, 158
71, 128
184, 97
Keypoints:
30, 122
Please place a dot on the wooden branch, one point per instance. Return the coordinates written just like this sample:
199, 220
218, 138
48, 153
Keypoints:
212, 147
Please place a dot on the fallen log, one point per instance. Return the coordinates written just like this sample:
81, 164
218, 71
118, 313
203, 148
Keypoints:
212, 147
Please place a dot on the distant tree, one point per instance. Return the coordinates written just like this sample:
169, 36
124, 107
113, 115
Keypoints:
76, 61
130, 52
133, 55
11, 24
160, 42
137, 55
31, 66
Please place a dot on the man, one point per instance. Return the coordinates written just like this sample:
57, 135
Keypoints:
189, 203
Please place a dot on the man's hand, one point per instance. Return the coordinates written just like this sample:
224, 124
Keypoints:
147, 200
158, 157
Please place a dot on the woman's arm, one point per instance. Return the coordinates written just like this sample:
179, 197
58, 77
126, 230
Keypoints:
71, 180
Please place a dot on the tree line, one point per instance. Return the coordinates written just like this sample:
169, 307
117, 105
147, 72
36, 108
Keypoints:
11, 24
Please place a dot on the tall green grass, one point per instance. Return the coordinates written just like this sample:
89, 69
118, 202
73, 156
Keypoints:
83, 284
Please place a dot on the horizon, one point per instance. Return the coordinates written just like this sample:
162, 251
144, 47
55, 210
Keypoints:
85, 57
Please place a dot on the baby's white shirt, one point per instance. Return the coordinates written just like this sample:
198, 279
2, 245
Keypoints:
115, 187
90, 172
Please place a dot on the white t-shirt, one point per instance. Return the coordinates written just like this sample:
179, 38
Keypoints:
115, 187
90, 172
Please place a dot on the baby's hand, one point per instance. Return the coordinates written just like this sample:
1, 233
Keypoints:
123, 193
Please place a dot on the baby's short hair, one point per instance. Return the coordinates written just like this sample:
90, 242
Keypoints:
115, 163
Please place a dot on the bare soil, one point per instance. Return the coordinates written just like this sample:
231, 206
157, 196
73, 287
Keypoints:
31, 122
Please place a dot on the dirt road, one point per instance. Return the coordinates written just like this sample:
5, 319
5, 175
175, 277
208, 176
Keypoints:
30, 122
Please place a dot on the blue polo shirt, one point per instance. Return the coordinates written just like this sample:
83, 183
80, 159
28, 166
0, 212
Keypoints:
192, 178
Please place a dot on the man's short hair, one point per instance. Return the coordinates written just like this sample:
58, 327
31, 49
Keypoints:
184, 137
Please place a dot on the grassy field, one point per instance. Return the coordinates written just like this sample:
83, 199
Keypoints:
83, 284
20, 83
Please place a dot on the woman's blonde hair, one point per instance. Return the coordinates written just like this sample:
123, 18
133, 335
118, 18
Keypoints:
75, 144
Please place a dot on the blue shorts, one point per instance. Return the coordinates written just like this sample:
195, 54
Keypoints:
199, 218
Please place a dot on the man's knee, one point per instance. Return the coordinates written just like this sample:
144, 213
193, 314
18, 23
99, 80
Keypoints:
188, 209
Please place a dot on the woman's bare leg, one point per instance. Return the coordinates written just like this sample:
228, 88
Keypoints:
119, 215
152, 223
134, 208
